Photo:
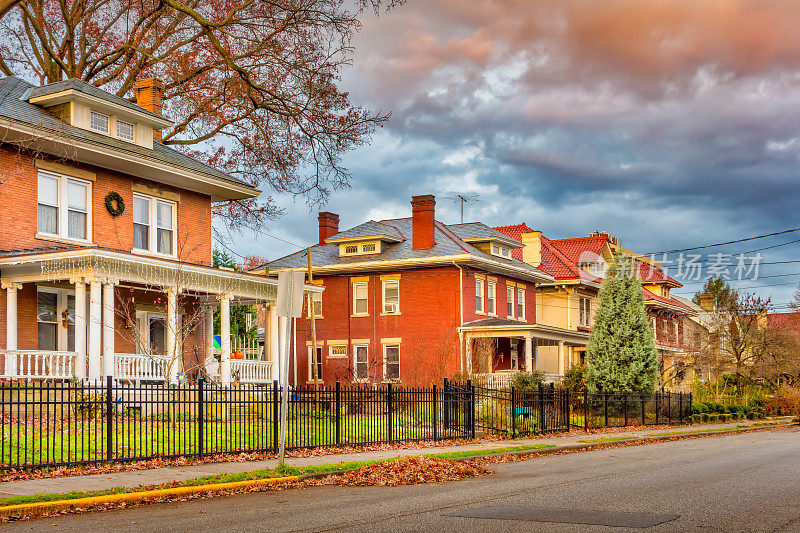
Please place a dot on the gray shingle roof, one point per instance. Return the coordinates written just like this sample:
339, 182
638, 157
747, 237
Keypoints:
88, 88
446, 244
14, 93
495, 321
479, 230
368, 229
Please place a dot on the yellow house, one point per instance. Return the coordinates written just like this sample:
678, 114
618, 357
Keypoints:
568, 303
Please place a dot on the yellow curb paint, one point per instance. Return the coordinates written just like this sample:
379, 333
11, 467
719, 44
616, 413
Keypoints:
33, 509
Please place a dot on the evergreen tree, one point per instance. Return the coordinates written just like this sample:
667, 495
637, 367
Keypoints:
621, 354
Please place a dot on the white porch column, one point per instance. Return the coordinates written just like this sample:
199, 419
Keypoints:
271, 340
108, 328
225, 336
529, 354
173, 354
11, 326
209, 331
95, 343
561, 357
468, 342
80, 328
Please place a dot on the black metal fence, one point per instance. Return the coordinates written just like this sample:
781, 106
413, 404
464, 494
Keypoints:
59, 424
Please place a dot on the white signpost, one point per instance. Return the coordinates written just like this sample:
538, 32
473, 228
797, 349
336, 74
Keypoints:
289, 305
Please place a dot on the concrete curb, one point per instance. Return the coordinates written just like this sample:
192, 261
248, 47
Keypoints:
31, 510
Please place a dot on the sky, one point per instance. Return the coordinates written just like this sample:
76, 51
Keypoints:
670, 124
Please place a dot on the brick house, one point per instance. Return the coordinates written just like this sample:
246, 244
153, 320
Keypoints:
412, 299
92, 289
570, 300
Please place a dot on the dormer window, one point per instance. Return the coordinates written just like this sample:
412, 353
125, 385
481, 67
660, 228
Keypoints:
98, 122
362, 248
501, 251
125, 130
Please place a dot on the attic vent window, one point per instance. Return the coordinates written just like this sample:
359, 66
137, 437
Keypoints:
352, 249
125, 131
98, 122
368, 247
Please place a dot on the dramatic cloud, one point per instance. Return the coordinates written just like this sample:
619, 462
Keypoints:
670, 123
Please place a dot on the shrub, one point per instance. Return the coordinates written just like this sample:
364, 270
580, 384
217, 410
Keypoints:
527, 381
785, 402
573, 378
699, 407
705, 417
725, 417
695, 418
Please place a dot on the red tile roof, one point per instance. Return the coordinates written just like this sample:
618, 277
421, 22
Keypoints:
647, 295
578, 248
785, 321
515, 231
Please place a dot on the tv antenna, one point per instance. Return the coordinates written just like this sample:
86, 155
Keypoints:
463, 198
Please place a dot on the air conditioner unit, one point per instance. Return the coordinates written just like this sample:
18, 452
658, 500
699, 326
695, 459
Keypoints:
390, 308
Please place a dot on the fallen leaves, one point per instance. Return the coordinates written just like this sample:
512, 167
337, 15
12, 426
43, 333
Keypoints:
405, 471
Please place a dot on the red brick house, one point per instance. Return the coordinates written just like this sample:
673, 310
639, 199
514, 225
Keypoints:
402, 296
105, 241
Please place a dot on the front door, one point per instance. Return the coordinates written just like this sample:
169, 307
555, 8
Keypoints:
55, 319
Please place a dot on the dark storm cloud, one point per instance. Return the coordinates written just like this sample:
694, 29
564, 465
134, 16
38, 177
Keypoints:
669, 123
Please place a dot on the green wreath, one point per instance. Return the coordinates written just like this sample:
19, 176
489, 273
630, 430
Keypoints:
111, 199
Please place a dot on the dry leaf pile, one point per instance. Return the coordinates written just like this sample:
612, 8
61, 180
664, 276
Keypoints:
406, 471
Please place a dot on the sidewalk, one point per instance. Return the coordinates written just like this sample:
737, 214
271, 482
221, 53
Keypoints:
155, 476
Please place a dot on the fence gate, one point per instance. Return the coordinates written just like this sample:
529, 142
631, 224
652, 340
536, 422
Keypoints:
458, 403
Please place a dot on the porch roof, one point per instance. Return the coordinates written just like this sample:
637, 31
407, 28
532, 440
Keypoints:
501, 327
25, 266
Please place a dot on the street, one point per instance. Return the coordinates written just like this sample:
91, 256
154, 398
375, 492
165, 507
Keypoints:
747, 482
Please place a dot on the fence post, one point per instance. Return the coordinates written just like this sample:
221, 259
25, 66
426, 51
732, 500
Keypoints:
669, 408
471, 413
658, 405
338, 398
513, 412
446, 404
605, 408
644, 420
389, 400
564, 395
200, 416
586, 410
541, 408
625, 399
680, 407
275, 415
435, 433
109, 417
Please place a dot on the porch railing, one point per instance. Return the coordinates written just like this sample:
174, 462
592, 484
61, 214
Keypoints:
502, 380
250, 371
38, 364
139, 367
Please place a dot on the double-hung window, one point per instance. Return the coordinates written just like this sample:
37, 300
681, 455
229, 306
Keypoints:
479, 295
153, 225
391, 297
361, 362
318, 361
63, 206
491, 298
521, 304
585, 306
360, 298
98, 122
391, 362
316, 304
510, 301
55, 319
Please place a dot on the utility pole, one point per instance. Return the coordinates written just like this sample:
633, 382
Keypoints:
313, 314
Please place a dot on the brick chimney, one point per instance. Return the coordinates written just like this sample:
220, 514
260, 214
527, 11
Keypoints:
148, 96
423, 214
532, 248
328, 226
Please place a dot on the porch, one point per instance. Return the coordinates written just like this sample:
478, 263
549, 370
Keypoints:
496, 349
88, 313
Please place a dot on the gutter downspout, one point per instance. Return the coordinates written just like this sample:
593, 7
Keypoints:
461, 313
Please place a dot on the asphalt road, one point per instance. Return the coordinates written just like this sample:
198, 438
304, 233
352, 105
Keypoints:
748, 482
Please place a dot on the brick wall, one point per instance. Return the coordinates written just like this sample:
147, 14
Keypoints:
18, 225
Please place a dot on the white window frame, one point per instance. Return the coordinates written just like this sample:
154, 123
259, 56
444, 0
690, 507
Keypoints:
62, 218
337, 355
62, 333
314, 298
132, 138
356, 377
514, 354
396, 310
520, 303
510, 304
479, 294
491, 298
391, 345
585, 311
92, 114
356, 284
320, 369
143, 325
152, 221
